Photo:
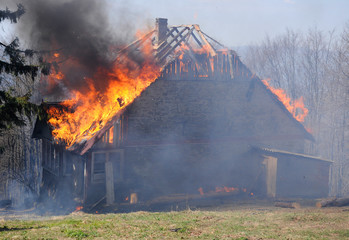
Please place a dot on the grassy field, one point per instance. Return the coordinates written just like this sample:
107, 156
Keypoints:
263, 222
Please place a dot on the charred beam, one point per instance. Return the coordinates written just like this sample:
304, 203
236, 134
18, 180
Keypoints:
164, 43
158, 55
333, 202
196, 39
136, 43
213, 39
176, 45
211, 49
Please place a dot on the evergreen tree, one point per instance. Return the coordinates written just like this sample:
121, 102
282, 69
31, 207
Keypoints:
14, 108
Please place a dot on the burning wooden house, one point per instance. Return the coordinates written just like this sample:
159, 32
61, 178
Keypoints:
205, 124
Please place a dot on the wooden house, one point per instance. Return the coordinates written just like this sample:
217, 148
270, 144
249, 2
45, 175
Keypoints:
206, 122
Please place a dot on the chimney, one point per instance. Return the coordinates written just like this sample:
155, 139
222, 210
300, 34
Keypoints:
161, 29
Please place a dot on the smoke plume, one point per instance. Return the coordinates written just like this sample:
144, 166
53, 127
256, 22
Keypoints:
80, 31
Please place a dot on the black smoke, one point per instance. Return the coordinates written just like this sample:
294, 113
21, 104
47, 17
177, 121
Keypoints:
80, 31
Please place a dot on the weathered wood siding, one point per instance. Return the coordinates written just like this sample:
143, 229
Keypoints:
182, 135
300, 177
172, 111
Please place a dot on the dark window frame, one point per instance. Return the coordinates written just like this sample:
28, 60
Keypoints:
99, 177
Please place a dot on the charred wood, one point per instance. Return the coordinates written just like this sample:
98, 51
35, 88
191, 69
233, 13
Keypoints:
333, 202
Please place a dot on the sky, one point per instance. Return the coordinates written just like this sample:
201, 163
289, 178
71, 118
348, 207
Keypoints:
243, 22
231, 22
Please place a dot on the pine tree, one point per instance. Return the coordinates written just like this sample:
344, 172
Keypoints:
14, 108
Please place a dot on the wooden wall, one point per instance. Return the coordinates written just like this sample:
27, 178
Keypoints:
302, 177
182, 135
206, 111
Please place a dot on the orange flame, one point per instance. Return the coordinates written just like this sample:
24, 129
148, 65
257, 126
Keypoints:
309, 130
219, 190
78, 208
58, 76
201, 191
204, 49
226, 189
295, 107
86, 113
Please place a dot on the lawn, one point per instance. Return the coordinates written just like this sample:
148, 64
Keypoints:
229, 222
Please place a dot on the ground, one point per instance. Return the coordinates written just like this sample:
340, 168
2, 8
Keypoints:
243, 221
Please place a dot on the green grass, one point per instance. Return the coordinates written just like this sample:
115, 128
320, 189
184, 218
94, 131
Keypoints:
232, 223
78, 234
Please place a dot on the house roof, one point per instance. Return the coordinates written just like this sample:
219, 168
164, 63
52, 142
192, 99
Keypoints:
189, 37
286, 153
308, 135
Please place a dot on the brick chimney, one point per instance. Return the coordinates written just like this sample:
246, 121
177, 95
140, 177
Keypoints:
161, 29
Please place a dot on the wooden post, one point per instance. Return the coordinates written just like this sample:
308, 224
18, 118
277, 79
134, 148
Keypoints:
231, 69
86, 180
271, 167
109, 182
173, 70
133, 198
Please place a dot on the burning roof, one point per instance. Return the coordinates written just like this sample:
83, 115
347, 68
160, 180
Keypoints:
169, 52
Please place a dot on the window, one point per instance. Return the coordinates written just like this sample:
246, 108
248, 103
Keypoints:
114, 135
108, 137
116, 158
98, 165
51, 156
68, 160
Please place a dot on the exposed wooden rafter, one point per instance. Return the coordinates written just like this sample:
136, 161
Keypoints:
190, 36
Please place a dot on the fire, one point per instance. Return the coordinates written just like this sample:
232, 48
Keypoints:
201, 191
295, 107
78, 208
204, 49
226, 189
309, 130
223, 189
84, 114
58, 76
